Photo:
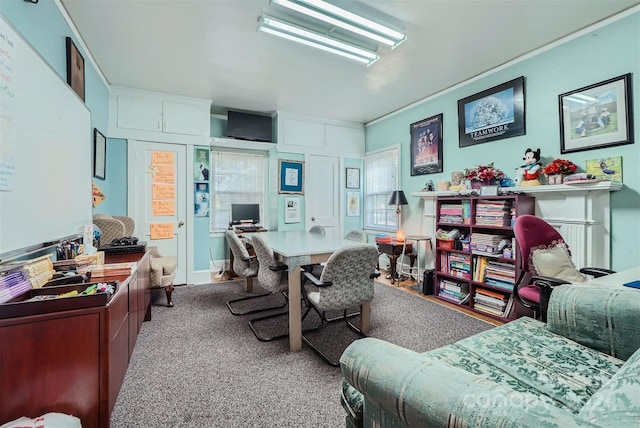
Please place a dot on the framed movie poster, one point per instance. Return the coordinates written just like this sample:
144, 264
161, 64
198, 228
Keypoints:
596, 116
75, 68
492, 114
426, 145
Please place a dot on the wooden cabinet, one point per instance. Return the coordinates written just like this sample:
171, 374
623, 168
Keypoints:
479, 270
73, 361
147, 115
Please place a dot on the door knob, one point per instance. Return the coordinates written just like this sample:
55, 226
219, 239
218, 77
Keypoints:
313, 219
180, 223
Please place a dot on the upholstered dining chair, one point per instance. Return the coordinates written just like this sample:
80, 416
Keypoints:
544, 262
347, 281
357, 235
272, 276
246, 266
113, 227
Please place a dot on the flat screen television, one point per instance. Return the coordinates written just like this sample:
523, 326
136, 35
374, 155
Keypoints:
249, 126
245, 213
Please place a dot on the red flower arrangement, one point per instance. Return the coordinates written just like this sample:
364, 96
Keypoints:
484, 173
560, 166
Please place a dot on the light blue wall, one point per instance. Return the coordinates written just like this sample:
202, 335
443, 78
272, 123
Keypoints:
44, 27
609, 52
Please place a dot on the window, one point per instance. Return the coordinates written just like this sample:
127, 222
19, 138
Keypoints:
381, 179
236, 178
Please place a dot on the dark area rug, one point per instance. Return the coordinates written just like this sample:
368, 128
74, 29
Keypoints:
197, 365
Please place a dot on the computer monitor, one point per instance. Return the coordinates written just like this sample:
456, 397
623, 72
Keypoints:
245, 213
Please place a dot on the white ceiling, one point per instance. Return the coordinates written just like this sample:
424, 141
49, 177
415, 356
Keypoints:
211, 49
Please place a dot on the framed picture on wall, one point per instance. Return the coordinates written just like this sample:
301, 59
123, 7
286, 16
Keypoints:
596, 116
291, 177
353, 204
492, 114
353, 178
99, 155
75, 68
426, 145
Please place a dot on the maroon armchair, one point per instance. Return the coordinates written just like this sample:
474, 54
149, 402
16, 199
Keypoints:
545, 262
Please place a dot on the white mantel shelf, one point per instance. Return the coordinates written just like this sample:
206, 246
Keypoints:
580, 211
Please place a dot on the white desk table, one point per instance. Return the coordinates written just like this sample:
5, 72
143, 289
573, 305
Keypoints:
299, 248
618, 278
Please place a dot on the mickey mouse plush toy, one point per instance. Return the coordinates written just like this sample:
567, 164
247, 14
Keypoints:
531, 169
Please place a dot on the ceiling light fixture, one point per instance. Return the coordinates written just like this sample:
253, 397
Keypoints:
301, 35
342, 18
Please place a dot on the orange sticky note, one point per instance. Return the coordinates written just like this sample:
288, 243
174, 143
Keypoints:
161, 230
163, 207
163, 191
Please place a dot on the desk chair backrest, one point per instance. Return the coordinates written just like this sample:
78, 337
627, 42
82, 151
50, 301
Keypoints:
275, 281
357, 235
349, 270
320, 230
240, 254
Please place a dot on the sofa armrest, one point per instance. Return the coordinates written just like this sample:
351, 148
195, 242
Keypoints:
602, 318
414, 389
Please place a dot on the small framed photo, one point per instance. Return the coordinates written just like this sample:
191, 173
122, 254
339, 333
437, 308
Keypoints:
492, 114
291, 177
353, 204
353, 178
292, 209
426, 145
489, 190
596, 116
99, 155
75, 68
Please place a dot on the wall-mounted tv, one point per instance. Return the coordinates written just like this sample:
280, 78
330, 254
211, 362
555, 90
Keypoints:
249, 126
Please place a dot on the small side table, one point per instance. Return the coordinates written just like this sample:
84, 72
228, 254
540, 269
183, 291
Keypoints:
394, 249
417, 239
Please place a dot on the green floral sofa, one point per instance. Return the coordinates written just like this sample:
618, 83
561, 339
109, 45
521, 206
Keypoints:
581, 369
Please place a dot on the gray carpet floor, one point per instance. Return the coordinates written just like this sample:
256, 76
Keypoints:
196, 365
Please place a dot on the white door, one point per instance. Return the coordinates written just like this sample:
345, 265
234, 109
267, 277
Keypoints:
156, 200
322, 194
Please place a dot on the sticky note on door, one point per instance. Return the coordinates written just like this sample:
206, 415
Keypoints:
161, 230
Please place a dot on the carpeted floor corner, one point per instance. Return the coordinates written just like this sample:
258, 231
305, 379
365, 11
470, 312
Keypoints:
197, 365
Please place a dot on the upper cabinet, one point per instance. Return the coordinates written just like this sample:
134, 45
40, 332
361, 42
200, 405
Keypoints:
159, 117
304, 134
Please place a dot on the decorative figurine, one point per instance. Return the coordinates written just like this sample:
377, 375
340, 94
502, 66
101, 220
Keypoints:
457, 180
527, 174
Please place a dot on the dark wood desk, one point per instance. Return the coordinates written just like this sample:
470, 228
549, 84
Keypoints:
393, 250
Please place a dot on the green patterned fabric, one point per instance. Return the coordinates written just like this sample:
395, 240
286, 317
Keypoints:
602, 318
521, 374
617, 403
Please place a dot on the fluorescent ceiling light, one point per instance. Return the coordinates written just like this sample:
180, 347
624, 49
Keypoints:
301, 35
334, 15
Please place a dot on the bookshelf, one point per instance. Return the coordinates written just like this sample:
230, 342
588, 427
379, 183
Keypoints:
478, 271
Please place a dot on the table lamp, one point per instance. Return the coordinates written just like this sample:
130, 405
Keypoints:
397, 199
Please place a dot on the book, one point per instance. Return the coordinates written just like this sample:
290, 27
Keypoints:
113, 269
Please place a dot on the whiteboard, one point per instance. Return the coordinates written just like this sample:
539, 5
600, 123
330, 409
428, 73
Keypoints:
45, 150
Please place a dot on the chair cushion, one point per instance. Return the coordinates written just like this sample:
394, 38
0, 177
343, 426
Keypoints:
168, 264
555, 261
617, 402
530, 293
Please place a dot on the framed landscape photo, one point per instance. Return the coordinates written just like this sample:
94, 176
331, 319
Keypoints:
493, 114
99, 155
596, 116
75, 68
426, 145
291, 177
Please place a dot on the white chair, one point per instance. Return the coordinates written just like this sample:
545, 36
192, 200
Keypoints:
347, 281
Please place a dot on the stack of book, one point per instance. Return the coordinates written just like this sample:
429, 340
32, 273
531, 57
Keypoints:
493, 213
455, 213
113, 269
455, 264
492, 302
454, 291
38, 271
500, 275
12, 285
486, 243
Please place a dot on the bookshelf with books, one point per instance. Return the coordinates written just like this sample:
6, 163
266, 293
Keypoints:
478, 270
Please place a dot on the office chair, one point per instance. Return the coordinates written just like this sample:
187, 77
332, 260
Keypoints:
347, 281
320, 230
246, 266
544, 262
358, 236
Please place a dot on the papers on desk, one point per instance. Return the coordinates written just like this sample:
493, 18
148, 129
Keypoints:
633, 284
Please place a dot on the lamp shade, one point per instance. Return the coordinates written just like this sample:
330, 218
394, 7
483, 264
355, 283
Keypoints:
398, 198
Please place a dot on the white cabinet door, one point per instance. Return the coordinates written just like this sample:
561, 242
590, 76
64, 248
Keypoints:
181, 118
345, 138
303, 133
144, 114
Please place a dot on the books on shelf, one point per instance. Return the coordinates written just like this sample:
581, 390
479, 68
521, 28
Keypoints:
455, 213
493, 302
486, 242
493, 213
456, 264
456, 292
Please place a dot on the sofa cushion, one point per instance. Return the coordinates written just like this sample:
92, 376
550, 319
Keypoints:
525, 356
617, 403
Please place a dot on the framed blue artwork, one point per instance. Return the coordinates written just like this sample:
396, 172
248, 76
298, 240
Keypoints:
291, 177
